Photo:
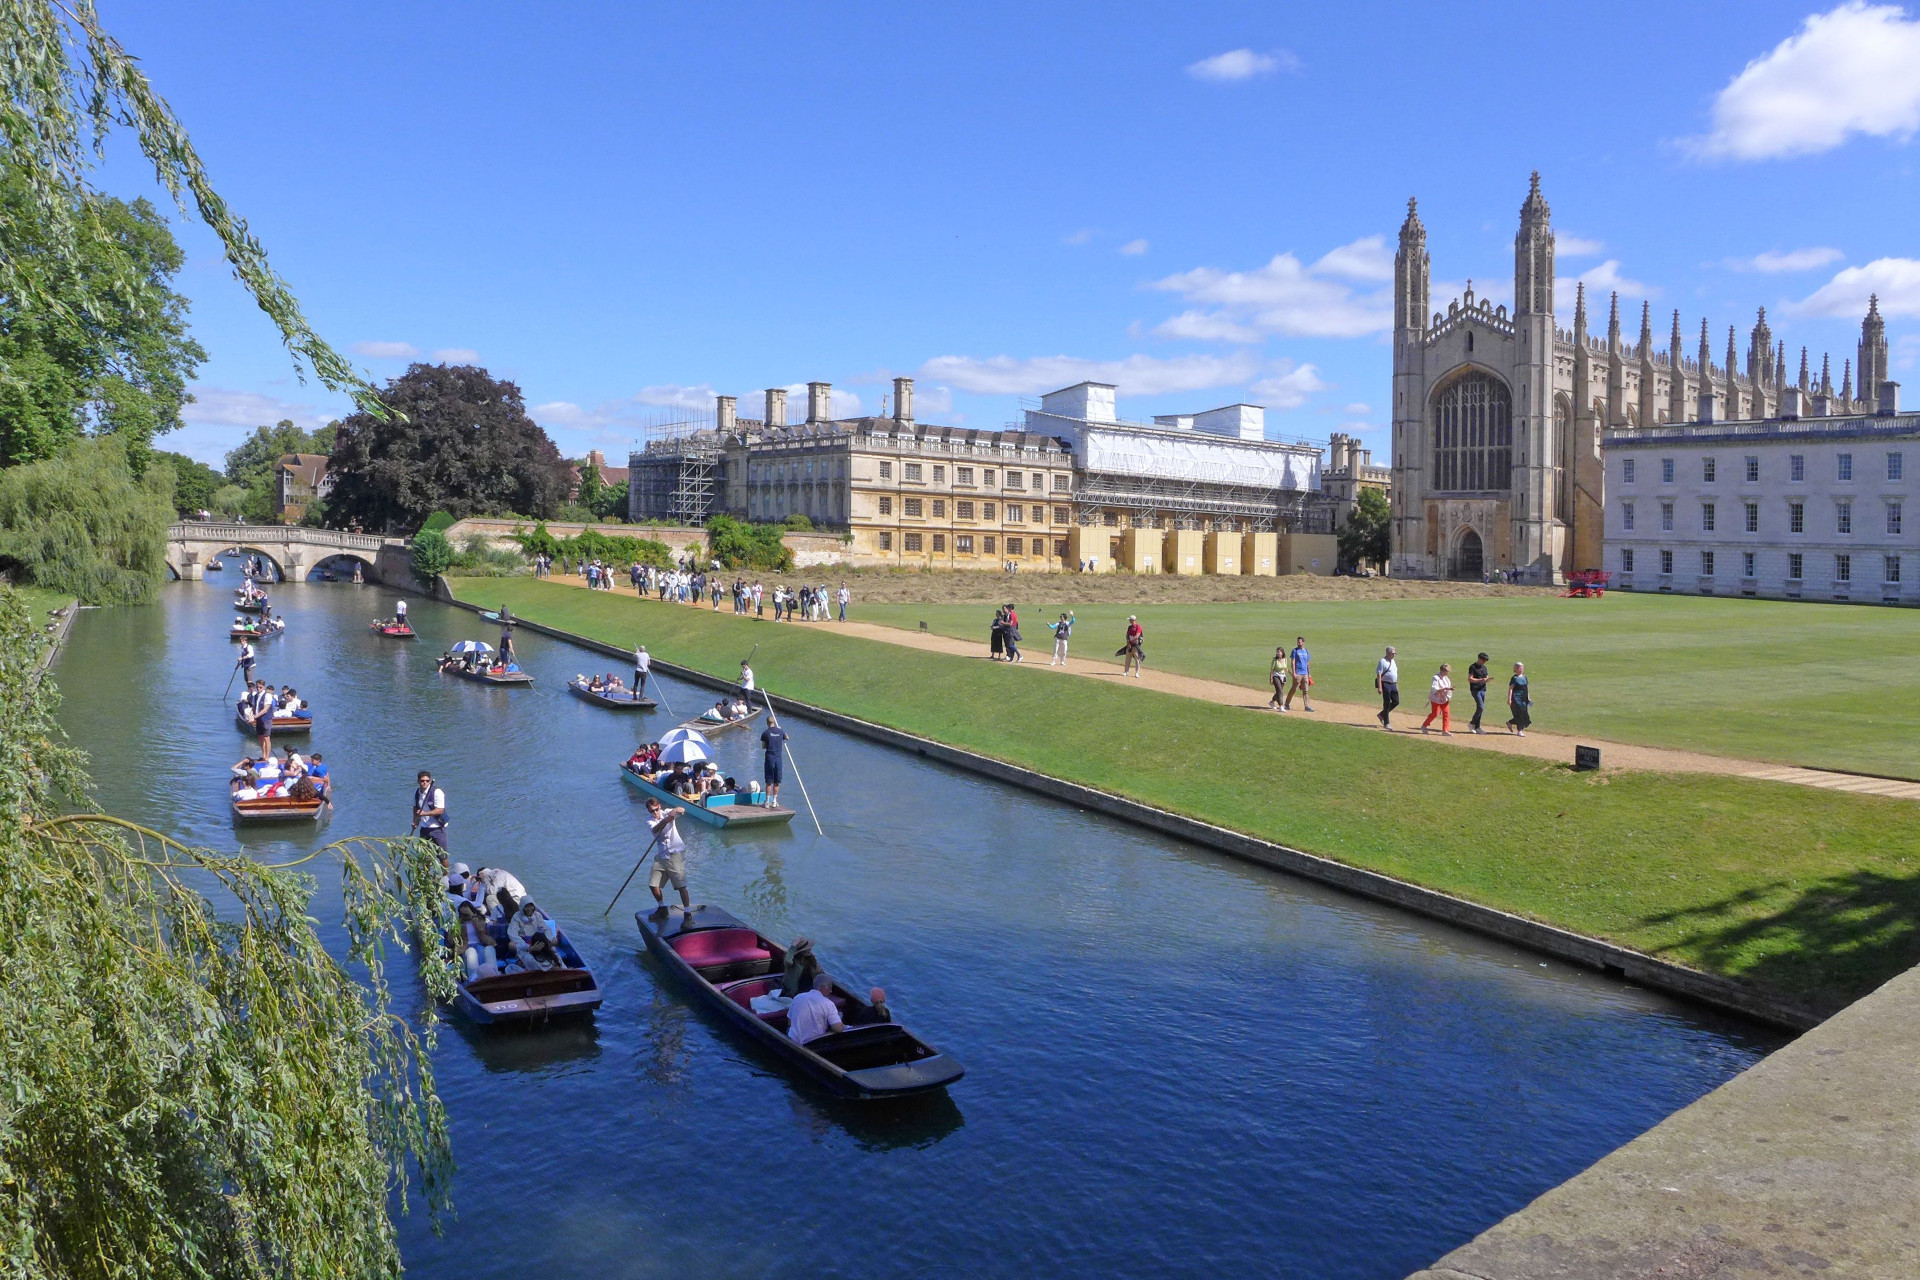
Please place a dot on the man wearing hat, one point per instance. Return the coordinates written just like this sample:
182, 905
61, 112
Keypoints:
1477, 686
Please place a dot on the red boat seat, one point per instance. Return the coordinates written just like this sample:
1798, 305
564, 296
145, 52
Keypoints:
712, 947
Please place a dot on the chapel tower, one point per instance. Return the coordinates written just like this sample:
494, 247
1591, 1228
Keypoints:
1537, 497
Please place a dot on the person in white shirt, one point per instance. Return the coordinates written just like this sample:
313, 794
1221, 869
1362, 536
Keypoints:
845, 595
670, 854
1440, 702
400, 610
1386, 678
813, 1013
642, 664
746, 678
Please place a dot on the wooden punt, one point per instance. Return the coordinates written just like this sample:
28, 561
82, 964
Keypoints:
393, 630
718, 811
727, 963
282, 725
248, 606
257, 633
492, 616
277, 809
491, 675
519, 996
624, 701
711, 727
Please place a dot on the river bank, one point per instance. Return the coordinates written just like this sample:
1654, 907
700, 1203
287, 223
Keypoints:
1806, 898
1137, 1013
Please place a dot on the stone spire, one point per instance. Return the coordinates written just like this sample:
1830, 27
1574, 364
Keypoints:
1779, 370
1732, 391
1760, 353
1533, 255
1649, 409
1646, 329
1706, 357
1805, 386
1580, 314
1846, 383
1613, 323
1873, 351
1410, 275
1677, 410
1826, 375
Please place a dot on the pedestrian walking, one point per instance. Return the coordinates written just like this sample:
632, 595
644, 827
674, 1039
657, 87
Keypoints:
997, 635
1386, 678
1519, 700
1440, 702
1134, 652
1477, 686
430, 812
1302, 684
1277, 677
1062, 632
845, 595
642, 664
773, 739
1013, 633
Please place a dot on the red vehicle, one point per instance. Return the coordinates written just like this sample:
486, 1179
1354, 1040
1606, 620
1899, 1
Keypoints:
1587, 583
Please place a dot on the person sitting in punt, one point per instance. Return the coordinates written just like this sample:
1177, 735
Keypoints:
322, 777
720, 712
293, 705
244, 787
875, 1014
303, 789
474, 943
677, 782
457, 882
646, 760
293, 765
813, 1013
500, 888
532, 932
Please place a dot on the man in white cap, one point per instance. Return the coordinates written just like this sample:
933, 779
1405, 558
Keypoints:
642, 664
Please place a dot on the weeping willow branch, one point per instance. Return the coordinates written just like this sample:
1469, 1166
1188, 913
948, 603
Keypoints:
65, 84
196, 1085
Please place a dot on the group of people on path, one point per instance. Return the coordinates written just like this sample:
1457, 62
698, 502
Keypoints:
1386, 679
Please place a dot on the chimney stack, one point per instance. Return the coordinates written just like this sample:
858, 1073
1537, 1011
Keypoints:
776, 407
819, 402
1705, 413
1887, 395
903, 401
724, 415
1792, 403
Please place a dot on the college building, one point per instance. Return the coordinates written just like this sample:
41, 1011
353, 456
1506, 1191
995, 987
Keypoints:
1791, 507
1076, 489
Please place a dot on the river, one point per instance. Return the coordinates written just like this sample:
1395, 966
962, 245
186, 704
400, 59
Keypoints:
1177, 1063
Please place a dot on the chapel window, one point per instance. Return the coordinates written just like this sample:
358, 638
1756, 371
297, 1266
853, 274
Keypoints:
1473, 436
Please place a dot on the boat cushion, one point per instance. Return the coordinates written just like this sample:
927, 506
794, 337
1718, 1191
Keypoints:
711, 947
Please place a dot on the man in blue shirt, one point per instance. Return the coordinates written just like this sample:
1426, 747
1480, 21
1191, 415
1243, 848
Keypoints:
317, 770
1302, 675
774, 739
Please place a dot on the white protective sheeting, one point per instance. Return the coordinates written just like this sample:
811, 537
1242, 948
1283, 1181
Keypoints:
1087, 401
1196, 457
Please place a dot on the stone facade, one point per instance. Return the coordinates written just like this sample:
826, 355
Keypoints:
1498, 416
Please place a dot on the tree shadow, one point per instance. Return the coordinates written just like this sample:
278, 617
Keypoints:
1825, 943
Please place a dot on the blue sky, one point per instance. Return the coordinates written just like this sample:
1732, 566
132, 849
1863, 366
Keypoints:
625, 208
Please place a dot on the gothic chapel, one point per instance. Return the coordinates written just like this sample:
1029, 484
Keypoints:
1497, 418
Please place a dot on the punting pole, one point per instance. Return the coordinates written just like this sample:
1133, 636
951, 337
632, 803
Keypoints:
796, 775
631, 874
230, 675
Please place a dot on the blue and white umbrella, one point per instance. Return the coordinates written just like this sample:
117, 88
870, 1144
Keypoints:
683, 734
471, 646
691, 750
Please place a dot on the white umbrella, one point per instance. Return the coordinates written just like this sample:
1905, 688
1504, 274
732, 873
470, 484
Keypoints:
683, 734
686, 751
471, 646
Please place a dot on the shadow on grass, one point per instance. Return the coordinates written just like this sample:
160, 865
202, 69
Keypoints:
1825, 944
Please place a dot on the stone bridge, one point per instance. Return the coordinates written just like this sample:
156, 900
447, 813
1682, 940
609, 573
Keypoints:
293, 549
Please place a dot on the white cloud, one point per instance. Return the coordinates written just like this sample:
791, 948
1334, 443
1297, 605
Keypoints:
1906, 350
627, 413
1357, 410
1600, 281
1138, 375
385, 350
222, 407
1242, 64
1287, 387
1367, 258
1568, 245
1080, 237
1854, 70
1774, 261
1134, 248
937, 400
456, 355
1896, 280
1285, 297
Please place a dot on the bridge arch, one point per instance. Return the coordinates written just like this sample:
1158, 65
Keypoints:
291, 549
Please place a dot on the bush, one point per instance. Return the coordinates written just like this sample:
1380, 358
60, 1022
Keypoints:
478, 559
80, 523
798, 522
437, 522
591, 544
432, 554
739, 545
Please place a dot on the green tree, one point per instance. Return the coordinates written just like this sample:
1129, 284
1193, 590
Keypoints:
194, 482
195, 1086
260, 453
739, 545
80, 522
432, 554
459, 440
104, 360
1366, 538
230, 500
65, 85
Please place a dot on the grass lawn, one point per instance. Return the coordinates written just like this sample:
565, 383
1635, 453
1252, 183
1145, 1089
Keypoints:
1807, 893
40, 602
1821, 685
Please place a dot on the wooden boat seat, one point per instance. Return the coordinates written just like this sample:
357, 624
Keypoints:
720, 954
